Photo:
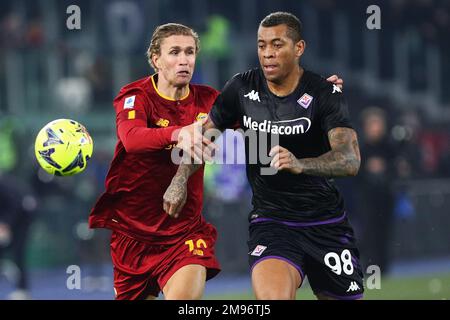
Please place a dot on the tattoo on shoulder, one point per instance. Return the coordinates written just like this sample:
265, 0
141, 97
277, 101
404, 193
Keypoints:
340, 136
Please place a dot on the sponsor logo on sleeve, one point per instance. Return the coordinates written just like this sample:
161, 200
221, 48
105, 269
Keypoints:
258, 250
129, 102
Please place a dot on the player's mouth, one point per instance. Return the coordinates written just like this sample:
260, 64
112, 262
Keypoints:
270, 67
183, 73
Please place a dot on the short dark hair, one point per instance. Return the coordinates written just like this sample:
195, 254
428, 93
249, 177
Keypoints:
293, 24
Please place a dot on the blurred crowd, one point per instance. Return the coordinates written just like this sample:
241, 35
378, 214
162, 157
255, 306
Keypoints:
88, 63
43, 218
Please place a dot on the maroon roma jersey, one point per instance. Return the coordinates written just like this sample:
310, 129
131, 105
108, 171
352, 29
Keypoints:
142, 168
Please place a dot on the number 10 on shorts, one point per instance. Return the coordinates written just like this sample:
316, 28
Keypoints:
333, 261
197, 249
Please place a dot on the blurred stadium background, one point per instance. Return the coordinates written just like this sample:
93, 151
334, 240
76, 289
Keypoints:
395, 78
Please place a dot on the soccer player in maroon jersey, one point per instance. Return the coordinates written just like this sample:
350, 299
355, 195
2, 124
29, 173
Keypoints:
152, 251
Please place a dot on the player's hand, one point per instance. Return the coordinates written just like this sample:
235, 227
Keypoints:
175, 197
283, 159
336, 80
192, 141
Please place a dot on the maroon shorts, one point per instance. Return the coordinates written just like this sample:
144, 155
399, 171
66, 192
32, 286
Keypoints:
141, 269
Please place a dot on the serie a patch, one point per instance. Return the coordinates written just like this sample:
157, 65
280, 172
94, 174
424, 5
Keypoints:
129, 102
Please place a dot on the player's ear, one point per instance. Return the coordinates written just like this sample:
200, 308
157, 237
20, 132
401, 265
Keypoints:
155, 60
300, 48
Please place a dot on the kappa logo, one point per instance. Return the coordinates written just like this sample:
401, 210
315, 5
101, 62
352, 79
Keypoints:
253, 95
305, 100
353, 287
258, 250
129, 102
336, 89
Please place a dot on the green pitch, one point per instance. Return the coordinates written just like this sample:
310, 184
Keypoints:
430, 287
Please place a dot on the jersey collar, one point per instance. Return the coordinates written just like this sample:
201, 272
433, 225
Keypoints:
160, 94
299, 87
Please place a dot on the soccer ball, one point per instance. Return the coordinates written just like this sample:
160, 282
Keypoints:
63, 147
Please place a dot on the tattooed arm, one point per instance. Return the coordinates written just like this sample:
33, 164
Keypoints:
176, 194
341, 161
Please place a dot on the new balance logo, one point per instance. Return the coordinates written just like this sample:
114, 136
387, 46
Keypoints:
253, 95
353, 286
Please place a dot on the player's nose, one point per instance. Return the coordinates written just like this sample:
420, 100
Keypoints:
268, 53
183, 59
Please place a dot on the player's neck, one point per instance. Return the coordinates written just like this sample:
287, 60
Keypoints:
288, 84
167, 90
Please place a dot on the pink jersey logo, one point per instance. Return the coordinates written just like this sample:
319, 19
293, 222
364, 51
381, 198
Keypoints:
305, 100
258, 250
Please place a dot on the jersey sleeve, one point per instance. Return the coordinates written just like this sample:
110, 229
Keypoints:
131, 120
333, 109
225, 110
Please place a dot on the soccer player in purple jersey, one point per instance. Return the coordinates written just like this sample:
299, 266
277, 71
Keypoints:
298, 225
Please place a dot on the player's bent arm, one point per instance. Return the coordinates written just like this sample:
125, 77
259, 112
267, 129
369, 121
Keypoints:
341, 161
176, 194
137, 139
132, 117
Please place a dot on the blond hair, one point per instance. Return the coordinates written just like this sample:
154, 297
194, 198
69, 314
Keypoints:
165, 31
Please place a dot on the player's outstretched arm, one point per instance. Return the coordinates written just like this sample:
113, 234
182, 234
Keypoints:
192, 140
341, 161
